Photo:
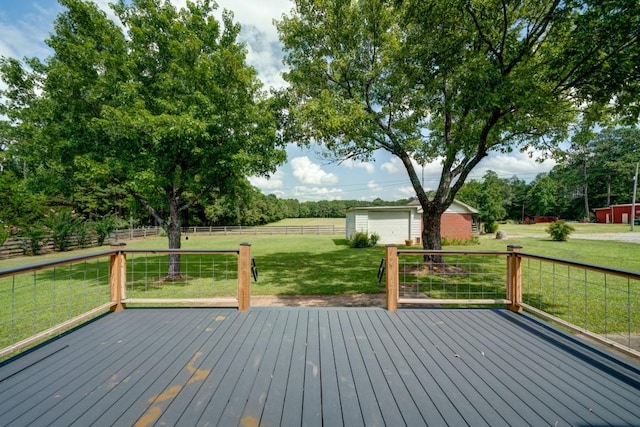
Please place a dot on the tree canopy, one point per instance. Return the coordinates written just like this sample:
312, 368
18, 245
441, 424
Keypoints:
160, 107
451, 81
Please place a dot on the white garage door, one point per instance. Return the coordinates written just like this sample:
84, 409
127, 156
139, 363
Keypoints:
393, 227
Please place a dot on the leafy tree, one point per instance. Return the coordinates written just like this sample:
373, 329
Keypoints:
62, 225
598, 168
470, 193
163, 107
492, 200
451, 81
518, 189
104, 226
615, 153
542, 197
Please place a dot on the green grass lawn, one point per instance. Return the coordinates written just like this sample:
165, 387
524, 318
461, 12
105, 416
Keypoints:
292, 265
535, 240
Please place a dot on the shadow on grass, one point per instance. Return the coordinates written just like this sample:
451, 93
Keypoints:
344, 270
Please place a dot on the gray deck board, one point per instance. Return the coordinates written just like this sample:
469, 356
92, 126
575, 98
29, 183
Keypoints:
331, 402
318, 366
132, 381
371, 412
352, 410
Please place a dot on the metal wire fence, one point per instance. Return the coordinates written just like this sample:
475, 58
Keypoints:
459, 276
601, 300
42, 300
200, 275
35, 299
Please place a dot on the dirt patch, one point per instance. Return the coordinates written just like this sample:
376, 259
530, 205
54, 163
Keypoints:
434, 269
351, 300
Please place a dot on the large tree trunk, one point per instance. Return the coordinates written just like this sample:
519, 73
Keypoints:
431, 238
172, 227
174, 235
586, 192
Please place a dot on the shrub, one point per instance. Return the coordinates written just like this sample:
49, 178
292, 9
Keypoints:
360, 240
83, 233
63, 225
490, 226
33, 239
364, 240
460, 242
104, 227
560, 231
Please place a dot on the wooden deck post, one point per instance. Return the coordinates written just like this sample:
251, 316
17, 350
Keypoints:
118, 276
244, 277
392, 277
514, 278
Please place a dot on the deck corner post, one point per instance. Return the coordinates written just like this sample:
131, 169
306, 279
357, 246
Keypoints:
514, 278
244, 277
392, 288
118, 276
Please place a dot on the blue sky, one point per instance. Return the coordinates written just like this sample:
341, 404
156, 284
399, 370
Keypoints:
25, 24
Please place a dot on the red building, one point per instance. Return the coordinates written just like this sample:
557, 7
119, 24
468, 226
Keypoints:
616, 214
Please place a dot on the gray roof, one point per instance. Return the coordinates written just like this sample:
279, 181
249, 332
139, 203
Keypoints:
456, 202
319, 366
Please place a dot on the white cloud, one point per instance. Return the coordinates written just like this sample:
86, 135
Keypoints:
303, 193
372, 185
25, 36
404, 192
395, 166
308, 172
368, 167
264, 50
271, 183
516, 164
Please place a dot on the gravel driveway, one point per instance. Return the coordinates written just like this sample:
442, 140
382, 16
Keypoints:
631, 236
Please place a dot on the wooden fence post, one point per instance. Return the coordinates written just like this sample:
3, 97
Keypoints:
392, 277
514, 278
118, 276
244, 277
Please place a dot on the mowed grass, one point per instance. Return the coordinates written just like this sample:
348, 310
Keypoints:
298, 265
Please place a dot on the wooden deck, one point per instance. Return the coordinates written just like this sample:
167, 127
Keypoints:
318, 366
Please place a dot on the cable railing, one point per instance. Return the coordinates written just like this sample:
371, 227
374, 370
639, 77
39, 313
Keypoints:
598, 302
594, 301
40, 300
43, 300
